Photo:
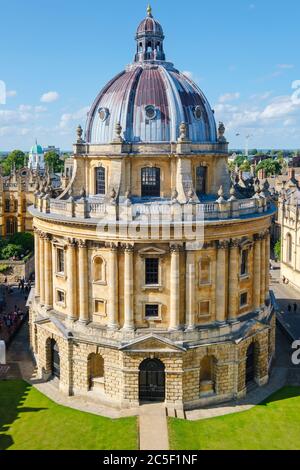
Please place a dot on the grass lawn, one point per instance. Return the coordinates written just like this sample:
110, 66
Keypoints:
30, 421
272, 425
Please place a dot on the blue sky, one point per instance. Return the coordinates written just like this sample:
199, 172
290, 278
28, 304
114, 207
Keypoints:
56, 55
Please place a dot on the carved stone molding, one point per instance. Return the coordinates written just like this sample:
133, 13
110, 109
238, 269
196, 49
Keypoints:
82, 243
223, 244
72, 242
112, 246
175, 248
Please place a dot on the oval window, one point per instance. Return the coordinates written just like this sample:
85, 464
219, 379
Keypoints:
150, 112
198, 112
103, 114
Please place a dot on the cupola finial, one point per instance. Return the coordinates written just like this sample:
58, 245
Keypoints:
149, 10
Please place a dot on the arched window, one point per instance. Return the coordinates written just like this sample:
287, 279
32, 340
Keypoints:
201, 174
289, 248
150, 182
98, 269
100, 180
11, 226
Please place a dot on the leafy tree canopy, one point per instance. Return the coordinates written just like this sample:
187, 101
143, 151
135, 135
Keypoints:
271, 167
16, 158
54, 162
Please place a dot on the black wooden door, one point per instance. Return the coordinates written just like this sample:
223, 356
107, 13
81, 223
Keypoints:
152, 381
250, 369
55, 358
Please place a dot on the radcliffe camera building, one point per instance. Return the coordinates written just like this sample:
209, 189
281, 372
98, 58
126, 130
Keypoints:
128, 317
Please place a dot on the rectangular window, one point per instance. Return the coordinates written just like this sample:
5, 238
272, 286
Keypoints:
60, 297
151, 311
100, 307
100, 181
152, 271
244, 263
60, 260
205, 274
204, 309
244, 299
7, 205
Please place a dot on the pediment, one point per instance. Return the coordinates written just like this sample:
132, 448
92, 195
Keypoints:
152, 343
152, 250
54, 325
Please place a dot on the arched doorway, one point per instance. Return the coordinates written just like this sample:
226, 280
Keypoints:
152, 381
55, 359
95, 371
250, 365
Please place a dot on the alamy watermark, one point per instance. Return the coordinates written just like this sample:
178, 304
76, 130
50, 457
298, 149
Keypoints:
296, 354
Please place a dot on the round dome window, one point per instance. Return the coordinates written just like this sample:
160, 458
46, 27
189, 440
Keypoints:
198, 112
103, 114
150, 112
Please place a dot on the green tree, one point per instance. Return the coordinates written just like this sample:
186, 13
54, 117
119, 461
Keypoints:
245, 166
271, 167
16, 158
277, 250
240, 160
54, 162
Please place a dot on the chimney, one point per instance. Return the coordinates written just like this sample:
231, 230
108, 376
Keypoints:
291, 173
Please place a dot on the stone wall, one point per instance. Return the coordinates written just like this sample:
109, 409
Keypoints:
17, 270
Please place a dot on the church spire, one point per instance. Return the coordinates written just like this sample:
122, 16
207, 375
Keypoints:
149, 10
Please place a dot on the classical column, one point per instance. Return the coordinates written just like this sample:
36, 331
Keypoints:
128, 288
48, 272
256, 272
175, 288
113, 280
42, 268
221, 281
71, 280
190, 290
268, 242
36, 263
263, 271
83, 282
233, 284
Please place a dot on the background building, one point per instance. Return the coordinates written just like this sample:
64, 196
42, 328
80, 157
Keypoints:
36, 161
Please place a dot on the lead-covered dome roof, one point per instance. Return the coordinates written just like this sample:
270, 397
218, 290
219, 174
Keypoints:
150, 99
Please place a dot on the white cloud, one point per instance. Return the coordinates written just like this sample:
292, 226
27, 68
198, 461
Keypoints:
11, 93
49, 97
285, 66
68, 119
227, 97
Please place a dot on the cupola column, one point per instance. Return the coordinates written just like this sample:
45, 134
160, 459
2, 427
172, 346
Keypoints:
83, 281
42, 268
221, 281
190, 290
113, 305
128, 288
71, 280
48, 272
263, 271
233, 282
36, 263
256, 272
268, 265
175, 288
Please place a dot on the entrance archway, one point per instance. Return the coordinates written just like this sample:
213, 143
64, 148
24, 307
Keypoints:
250, 365
55, 359
152, 381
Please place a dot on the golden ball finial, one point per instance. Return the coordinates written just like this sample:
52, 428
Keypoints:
149, 10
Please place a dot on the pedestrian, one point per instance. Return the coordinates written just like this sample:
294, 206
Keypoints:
289, 308
295, 307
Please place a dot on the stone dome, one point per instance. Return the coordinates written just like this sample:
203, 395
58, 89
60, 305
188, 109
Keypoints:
150, 99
